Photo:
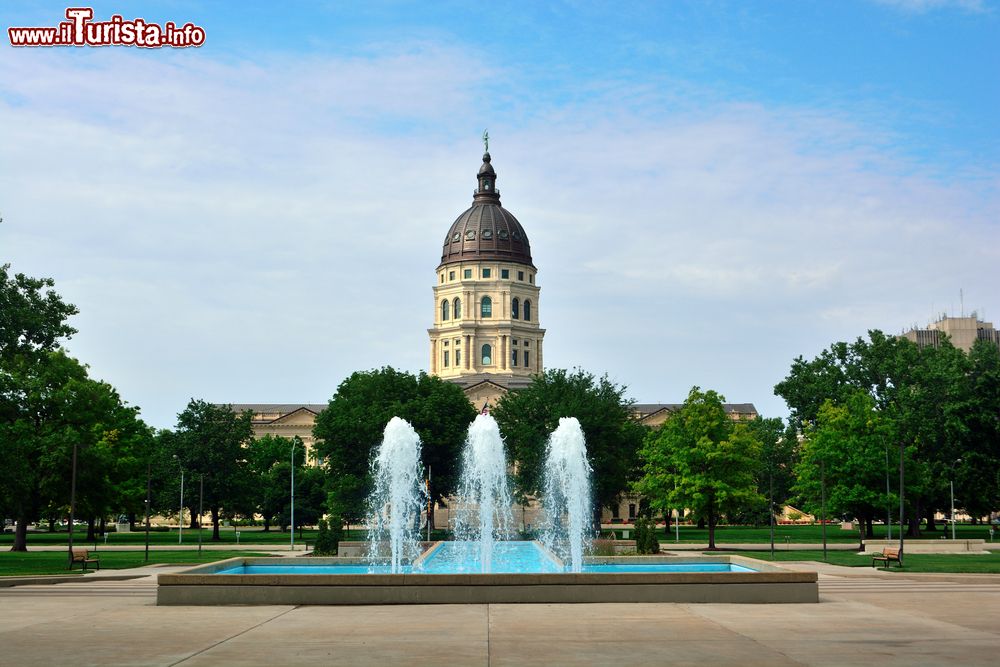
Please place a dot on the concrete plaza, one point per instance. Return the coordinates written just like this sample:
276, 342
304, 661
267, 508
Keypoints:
864, 617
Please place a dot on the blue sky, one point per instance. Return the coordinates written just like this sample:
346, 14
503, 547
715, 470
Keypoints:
710, 188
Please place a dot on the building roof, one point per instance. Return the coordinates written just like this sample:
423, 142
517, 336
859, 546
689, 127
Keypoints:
277, 408
486, 230
730, 408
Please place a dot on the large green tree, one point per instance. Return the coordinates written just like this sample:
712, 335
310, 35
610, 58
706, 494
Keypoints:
528, 416
211, 444
702, 460
351, 427
843, 454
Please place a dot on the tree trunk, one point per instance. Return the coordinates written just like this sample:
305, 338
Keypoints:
267, 524
701, 523
52, 525
666, 523
711, 524
869, 527
102, 527
194, 518
216, 520
931, 524
21, 534
91, 535
131, 521
913, 521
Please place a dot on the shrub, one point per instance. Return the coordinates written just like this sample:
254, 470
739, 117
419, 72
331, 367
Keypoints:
327, 541
645, 536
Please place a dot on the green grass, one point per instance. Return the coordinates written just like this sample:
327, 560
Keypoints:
55, 562
803, 534
952, 563
226, 536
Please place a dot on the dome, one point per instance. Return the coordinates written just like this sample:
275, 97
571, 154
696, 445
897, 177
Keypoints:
486, 230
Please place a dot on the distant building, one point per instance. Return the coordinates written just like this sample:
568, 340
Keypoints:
287, 420
962, 331
654, 414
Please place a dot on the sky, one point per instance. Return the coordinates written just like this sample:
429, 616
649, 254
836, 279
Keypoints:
710, 189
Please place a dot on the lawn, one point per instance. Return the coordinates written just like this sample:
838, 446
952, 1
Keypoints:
55, 562
226, 536
954, 563
805, 534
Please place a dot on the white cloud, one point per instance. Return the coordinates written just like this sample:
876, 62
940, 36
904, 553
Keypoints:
256, 231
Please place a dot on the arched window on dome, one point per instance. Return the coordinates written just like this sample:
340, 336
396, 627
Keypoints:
527, 310
515, 307
458, 308
487, 355
445, 309
486, 307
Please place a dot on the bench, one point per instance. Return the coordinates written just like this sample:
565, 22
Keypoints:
83, 557
888, 555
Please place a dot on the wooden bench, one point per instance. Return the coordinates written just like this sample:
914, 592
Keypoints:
888, 555
83, 557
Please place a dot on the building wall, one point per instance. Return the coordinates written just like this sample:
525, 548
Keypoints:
962, 331
466, 335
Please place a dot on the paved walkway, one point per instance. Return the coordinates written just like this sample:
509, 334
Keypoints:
864, 617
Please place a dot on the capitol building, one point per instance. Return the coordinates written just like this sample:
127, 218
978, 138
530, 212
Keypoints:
486, 334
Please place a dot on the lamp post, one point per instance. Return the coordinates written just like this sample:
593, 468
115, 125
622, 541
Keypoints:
180, 522
888, 507
822, 482
951, 483
295, 441
902, 480
149, 469
201, 512
72, 505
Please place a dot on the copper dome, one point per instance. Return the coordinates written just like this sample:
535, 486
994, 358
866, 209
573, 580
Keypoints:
486, 230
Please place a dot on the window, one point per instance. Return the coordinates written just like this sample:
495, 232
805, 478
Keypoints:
486, 273
442, 277
458, 357
458, 308
513, 357
444, 309
520, 276
527, 343
527, 310
631, 511
515, 307
514, 341
486, 307
446, 358
487, 355
446, 343
487, 234
531, 278
451, 275
467, 274
470, 235
505, 274
526, 364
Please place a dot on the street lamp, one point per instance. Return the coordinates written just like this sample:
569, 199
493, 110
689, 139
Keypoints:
295, 441
180, 532
951, 483
72, 505
149, 486
201, 512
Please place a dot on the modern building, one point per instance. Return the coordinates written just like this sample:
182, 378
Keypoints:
962, 331
486, 335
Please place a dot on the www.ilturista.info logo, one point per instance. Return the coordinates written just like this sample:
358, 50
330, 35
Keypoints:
81, 30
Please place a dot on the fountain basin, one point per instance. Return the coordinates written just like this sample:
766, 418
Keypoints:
211, 585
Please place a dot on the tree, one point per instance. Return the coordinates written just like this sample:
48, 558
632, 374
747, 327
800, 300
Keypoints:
845, 451
351, 427
774, 473
700, 459
33, 317
528, 416
211, 445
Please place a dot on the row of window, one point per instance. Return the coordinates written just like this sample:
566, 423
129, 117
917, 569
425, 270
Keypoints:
485, 308
487, 273
486, 356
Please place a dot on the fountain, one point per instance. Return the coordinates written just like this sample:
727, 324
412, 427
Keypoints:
482, 565
566, 494
484, 501
395, 504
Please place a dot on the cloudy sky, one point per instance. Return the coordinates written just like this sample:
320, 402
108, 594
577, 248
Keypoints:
710, 188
